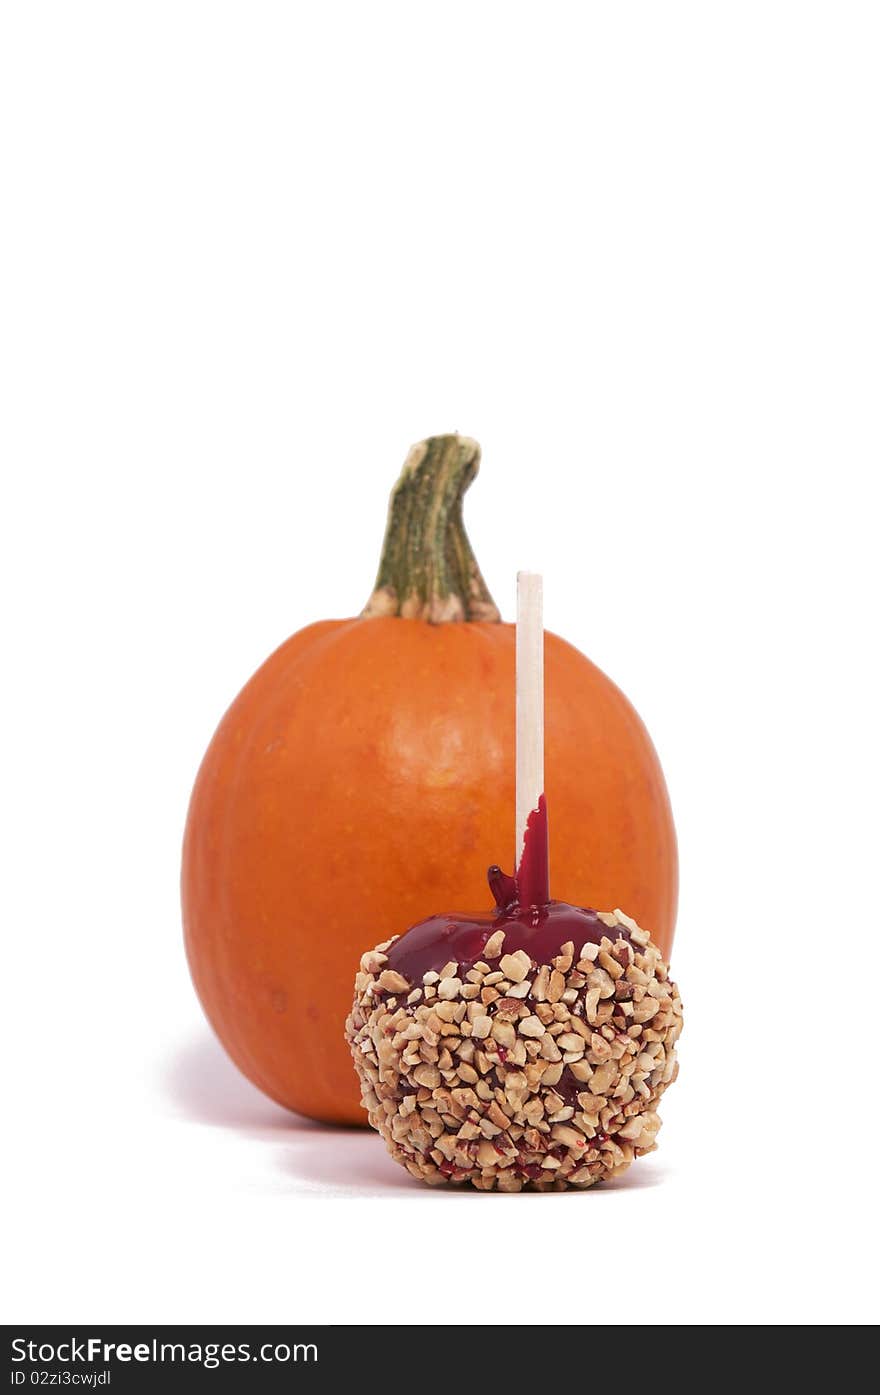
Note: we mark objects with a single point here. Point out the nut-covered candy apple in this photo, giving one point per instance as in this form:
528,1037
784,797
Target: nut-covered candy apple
527,1048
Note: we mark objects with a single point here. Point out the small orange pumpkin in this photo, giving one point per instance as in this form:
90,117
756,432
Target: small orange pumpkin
364,778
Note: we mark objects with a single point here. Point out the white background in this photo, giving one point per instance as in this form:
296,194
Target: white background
250,252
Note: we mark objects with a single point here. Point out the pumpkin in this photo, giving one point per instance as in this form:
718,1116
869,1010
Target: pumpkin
364,779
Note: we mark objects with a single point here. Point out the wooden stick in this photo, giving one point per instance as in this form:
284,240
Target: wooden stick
529,700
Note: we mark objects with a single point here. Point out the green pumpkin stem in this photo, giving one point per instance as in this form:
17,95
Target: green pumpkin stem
428,570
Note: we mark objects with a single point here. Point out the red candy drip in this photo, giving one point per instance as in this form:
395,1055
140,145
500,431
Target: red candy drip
529,919
533,872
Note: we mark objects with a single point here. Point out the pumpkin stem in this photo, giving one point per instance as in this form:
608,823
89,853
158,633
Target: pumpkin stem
428,570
